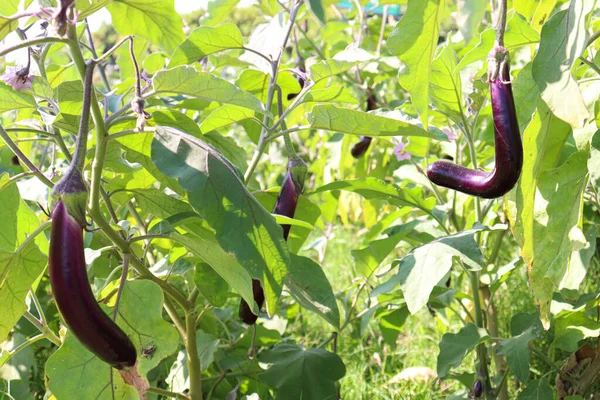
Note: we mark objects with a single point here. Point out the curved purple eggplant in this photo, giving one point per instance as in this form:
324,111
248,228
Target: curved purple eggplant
292,186
508,145
74,297
360,148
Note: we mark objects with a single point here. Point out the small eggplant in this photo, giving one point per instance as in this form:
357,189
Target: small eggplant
75,299
477,390
508,145
360,148
292,186
301,67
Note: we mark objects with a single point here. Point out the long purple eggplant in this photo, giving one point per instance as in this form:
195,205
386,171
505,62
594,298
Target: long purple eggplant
74,297
360,148
508,146
292,187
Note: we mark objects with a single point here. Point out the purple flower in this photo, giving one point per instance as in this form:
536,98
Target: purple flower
451,135
19,79
400,153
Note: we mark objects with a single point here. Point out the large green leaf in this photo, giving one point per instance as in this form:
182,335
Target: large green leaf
526,95
327,68
224,116
537,390
414,40
186,80
224,264
516,350
445,84
11,99
154,20
518,33
331,94
217,10
297,373
308,284
369,258
563,40
73,369
455,346
216,190
373,188
206,40
7,25
354,122
88,7
18,271
421,269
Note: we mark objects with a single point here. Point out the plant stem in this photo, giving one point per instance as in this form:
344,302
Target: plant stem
33,42
45,330
112,49
262,143
555,367
81,143
167,393
15,149
101,69
177,321
501,23
481,348
194,367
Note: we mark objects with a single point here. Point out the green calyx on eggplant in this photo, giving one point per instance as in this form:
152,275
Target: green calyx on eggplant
287,200
360,148
75,299
507,139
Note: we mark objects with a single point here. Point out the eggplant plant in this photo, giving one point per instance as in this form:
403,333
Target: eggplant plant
268,200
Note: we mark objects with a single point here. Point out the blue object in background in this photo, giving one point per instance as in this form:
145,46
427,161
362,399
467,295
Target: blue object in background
373,8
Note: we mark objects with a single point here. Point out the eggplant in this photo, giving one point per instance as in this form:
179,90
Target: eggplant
301,66
507,140
477,391
292,186
75,299
360,148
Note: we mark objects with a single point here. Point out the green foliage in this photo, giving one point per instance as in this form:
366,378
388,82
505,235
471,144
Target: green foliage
386,286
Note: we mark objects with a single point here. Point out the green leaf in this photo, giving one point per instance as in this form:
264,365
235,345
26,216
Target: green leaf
445,84
228,147
211,285
551,230
73,369
283,220
216,190
9,7
571,327
159,204
206,40
88,7
224,264
563,40
537,390
137,149
421,269
373,188
12,100
186,80
368,259
328,68
594,161
154,20
455,346
526,94
391,323
470,15
516,350
176,120
217,10
7,25
302,374
354,122
316,6
40,87
309,286
332,94
518,33
18,271
224,116
414,40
